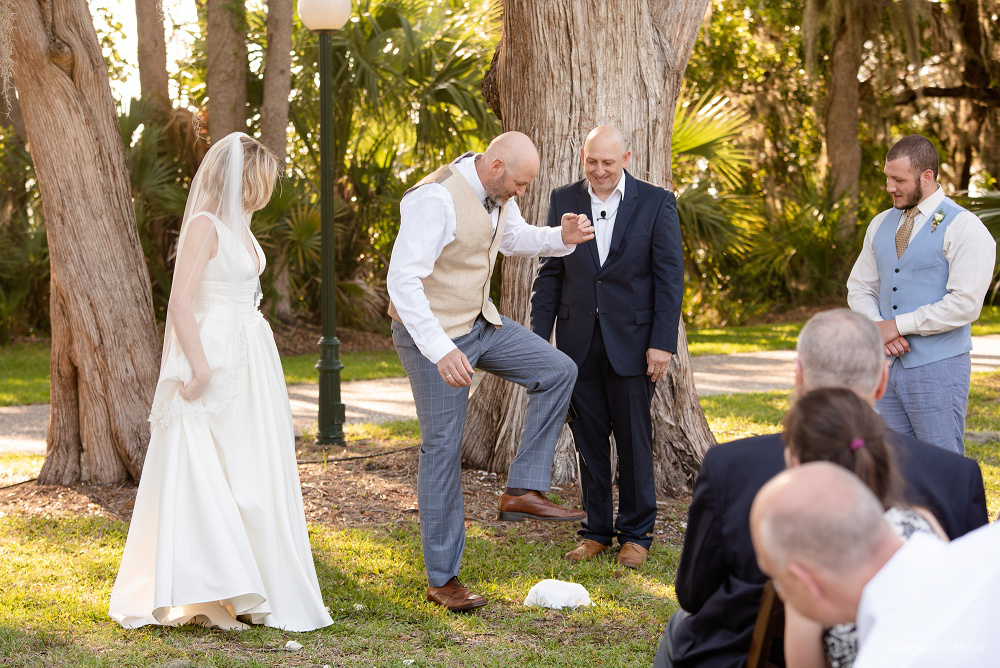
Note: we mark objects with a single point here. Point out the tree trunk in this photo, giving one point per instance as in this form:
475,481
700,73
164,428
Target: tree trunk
843,145
153,77
277,77
226,71
553,84
104,348
281,307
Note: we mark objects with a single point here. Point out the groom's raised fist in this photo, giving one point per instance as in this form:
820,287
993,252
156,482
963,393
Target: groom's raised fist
576,228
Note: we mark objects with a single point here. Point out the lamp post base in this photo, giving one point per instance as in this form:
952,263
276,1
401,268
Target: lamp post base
331,410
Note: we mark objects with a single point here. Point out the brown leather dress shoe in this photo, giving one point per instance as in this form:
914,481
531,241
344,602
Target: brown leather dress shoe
632,555
585,551
455,596
534,506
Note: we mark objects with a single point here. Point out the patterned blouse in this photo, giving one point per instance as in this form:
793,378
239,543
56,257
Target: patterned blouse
840,642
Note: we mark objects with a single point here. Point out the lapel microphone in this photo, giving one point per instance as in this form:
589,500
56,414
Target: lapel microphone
604,215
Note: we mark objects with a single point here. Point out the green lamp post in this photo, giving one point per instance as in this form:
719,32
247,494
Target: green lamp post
325,17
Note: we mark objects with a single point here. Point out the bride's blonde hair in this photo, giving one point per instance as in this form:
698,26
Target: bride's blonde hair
260,172
261,168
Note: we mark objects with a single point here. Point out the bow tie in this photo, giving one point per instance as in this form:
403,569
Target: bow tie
489,204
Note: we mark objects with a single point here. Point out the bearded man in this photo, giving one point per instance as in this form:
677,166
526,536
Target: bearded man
922,276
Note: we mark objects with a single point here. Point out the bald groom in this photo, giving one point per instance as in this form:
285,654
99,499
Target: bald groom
452,225
615,304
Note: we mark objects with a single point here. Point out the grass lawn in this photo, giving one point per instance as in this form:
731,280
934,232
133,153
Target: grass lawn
24,374
988,323
24,370
24,367
56,576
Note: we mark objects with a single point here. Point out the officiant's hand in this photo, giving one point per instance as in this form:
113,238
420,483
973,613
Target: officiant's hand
196,385
576,229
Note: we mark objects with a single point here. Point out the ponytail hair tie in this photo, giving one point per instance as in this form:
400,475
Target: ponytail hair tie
857,444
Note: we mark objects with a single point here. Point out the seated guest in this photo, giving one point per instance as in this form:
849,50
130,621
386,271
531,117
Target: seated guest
820,534
837,426
718,583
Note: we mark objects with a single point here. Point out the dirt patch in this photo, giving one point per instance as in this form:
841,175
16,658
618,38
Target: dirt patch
301,338
365,492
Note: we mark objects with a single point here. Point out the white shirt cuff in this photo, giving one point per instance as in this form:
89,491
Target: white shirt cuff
906,324
438,348
556,241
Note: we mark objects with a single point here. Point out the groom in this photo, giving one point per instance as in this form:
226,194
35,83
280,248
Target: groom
452,225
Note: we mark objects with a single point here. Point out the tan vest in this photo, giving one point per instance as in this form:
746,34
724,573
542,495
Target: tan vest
458,288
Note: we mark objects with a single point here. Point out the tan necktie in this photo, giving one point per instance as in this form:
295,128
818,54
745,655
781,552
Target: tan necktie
903,233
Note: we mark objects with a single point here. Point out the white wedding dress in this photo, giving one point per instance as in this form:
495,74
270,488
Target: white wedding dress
218,528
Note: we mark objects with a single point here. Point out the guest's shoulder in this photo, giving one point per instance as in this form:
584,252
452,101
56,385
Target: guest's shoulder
756,449
930,456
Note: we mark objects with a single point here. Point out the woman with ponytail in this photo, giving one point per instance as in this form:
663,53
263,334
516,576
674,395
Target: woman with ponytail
838,426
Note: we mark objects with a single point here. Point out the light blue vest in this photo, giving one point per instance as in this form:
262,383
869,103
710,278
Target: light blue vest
917,279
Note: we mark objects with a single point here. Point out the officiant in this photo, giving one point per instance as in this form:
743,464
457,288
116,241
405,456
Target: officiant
615,304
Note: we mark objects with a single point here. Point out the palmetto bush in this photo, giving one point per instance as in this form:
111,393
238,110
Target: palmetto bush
24,254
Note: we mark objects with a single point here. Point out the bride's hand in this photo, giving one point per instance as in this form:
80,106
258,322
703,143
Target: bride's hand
196,385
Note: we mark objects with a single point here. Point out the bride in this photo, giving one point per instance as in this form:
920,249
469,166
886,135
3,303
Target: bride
218,530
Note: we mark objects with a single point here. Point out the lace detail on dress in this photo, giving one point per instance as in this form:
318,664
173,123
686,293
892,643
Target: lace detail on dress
164,411
841,642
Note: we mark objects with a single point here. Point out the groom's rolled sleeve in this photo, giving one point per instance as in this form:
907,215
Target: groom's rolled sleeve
522,239
427,225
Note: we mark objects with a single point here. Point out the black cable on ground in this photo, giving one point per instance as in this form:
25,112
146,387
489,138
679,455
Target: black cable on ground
345,459
299,461
18,483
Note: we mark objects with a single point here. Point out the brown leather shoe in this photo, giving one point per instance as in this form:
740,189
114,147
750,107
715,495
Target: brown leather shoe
455,596
535,506
632,555
585,551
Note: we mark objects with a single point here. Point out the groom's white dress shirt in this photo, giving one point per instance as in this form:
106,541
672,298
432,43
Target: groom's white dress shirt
427,225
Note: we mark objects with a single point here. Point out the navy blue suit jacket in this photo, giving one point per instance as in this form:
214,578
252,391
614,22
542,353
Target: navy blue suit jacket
638,290
718,580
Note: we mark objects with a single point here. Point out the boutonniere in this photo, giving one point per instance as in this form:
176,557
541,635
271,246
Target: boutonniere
936,219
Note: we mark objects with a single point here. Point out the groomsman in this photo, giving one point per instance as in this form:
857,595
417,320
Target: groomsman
615,305
922,276
452,225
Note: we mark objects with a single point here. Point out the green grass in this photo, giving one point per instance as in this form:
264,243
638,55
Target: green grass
56,578
988,323
367,365
17,467
24,370
745,339
734,416
24,374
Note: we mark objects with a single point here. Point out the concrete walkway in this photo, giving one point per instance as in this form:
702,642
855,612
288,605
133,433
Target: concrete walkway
22,428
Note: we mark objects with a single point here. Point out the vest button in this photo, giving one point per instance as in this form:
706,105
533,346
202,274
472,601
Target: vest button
894,308
599,282
894,289
897,271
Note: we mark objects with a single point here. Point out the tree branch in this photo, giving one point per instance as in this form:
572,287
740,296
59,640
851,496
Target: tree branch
988,95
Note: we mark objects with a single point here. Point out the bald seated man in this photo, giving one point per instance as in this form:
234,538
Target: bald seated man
444,326
819,534
615,305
